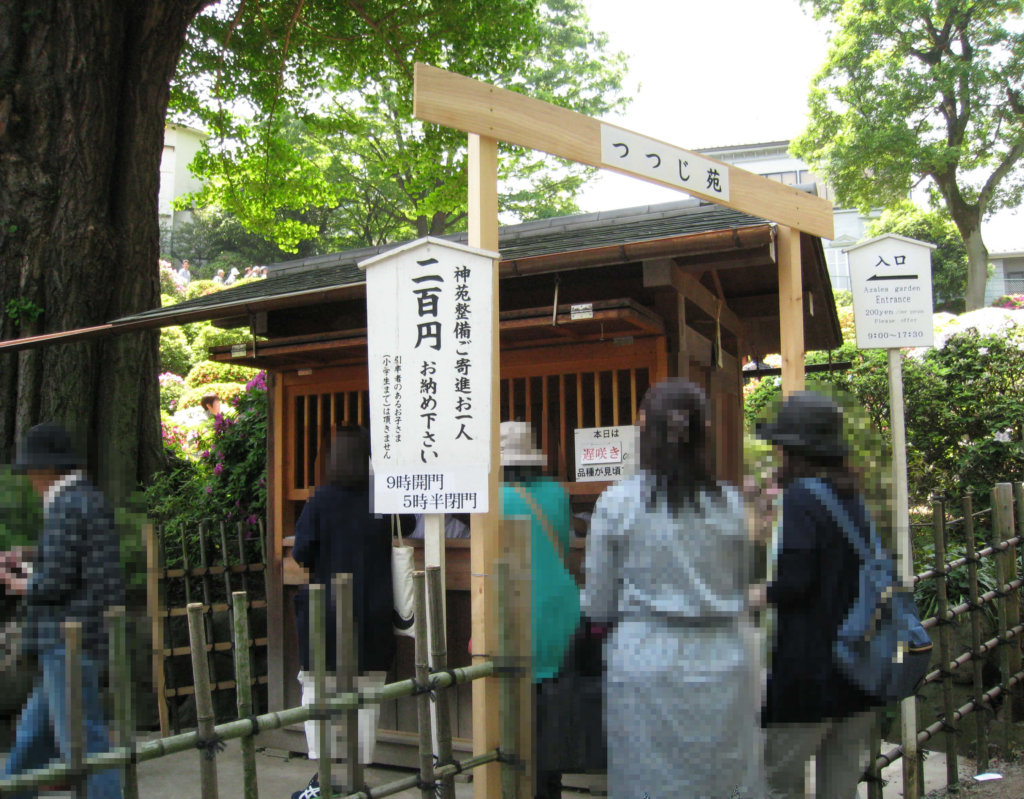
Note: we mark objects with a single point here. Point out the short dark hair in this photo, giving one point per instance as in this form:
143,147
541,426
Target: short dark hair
348,457
207,401
837,470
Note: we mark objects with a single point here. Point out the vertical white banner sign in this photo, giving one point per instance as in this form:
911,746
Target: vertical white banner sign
429,347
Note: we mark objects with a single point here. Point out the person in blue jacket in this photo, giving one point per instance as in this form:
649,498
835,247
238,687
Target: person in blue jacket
337,533
76,576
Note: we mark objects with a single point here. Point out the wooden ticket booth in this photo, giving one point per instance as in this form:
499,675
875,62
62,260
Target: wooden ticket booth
593,310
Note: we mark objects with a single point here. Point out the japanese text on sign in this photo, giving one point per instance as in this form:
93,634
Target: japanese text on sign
631,152
429,337
605,453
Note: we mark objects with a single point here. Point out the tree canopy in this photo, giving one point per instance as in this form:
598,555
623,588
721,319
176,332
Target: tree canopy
949,258
922,90
309,103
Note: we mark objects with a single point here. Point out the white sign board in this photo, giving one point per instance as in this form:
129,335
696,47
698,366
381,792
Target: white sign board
651,158
606,453
891,281
428,308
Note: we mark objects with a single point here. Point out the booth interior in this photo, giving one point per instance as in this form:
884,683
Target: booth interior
593,309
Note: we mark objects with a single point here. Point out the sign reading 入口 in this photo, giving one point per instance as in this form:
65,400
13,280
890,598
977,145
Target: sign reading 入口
891,282
428,307
605,453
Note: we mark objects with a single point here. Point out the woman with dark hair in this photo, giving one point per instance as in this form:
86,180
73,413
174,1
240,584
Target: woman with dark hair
337,533
811,707
667,562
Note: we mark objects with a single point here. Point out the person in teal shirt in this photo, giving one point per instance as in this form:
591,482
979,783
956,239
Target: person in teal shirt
555,597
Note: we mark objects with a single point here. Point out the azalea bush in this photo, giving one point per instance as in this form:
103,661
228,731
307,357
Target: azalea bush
1012,301
171,387
216,372
175,353
218,475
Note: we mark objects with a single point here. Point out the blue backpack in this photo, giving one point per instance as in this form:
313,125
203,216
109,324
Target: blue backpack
881,646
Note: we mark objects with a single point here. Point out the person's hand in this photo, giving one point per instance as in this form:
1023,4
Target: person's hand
15,569
757,596
760,501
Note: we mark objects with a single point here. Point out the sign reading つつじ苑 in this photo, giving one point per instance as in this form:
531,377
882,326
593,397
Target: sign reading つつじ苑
428,307
891,283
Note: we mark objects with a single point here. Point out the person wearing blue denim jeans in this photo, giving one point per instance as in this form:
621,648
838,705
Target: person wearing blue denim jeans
76,576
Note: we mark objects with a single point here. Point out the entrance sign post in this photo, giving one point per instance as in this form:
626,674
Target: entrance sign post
891,282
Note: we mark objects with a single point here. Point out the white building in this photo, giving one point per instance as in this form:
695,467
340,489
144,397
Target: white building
772,160
1006,275
181,143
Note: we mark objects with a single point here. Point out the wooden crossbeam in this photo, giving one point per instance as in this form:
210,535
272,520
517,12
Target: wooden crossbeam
473,106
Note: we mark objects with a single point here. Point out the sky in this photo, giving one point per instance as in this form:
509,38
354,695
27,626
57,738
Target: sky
711,73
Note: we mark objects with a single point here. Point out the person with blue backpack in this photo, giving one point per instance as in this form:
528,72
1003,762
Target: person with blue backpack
846,636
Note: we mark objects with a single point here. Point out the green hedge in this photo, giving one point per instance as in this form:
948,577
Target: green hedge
175,354
191,397
211,336
206,372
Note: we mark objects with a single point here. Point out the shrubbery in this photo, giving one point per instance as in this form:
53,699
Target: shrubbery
171,388
1012,301
175,354
190,397
210,336
200,288
216,372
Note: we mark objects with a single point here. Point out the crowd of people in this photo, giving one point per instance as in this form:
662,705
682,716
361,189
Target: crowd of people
183,274
697,702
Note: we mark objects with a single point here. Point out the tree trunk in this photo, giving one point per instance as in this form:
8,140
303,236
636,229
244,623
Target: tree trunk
977,266
83,97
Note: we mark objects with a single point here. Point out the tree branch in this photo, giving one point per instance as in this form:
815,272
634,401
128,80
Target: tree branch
1000,172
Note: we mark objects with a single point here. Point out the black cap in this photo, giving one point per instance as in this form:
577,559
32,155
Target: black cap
46,446
807,424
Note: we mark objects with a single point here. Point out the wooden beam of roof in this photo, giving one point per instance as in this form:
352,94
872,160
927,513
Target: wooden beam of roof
455,101
664,272
697,264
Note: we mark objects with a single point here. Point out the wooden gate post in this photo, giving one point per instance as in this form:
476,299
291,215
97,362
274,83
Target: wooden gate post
204,702
1008,606
791,310
939,525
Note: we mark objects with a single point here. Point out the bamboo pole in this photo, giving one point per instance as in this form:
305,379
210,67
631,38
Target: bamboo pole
225,557
154,608
939,525
426,783
121,678
317,638
403,784
1002,529
347,659
243,689
439,661
507,687
1016,513
73,704
875,749
152,750
204,702
981,727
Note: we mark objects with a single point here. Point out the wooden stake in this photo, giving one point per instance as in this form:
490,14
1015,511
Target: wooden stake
318,653
939,527
347,659
121,679
439,662
981,725
204,701
243,689
422,678
1002,524
485,535
154,609
73,700
507,685
791,310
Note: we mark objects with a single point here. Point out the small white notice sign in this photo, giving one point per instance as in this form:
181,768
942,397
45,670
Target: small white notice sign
584,310
606,453
891,282
650,158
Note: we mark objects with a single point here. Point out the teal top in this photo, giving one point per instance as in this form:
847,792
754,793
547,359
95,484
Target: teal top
555,598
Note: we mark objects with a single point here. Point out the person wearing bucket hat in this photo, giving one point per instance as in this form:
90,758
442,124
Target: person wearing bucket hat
554,596
811,708
76,576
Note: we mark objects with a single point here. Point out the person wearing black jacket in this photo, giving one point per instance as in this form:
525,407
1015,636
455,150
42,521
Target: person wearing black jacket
811,707
337,533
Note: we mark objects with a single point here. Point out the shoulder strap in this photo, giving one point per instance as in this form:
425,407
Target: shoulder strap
827,497
544,523
396,530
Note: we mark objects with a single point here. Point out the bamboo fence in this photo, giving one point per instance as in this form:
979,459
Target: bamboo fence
210,738
1005,531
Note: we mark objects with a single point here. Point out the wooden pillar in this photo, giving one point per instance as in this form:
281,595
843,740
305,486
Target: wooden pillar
791,310
484,527
275,534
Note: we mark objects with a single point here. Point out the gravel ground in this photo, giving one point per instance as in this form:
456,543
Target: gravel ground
1011,786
